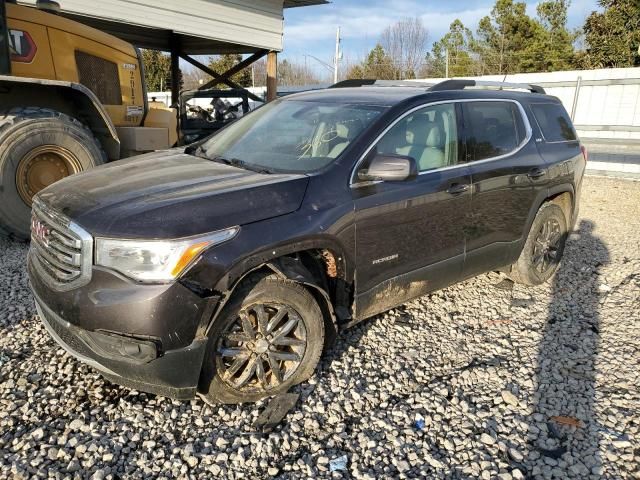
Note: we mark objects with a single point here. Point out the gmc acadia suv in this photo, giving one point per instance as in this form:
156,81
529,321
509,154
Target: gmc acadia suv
226,267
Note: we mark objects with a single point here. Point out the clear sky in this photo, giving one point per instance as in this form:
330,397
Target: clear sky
312,30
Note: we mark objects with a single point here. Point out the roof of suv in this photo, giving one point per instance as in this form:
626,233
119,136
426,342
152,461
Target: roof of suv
368,95
391,95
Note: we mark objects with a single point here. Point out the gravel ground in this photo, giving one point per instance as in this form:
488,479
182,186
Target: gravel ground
476,381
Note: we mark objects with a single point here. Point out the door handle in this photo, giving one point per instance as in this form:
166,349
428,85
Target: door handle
458,188
536,173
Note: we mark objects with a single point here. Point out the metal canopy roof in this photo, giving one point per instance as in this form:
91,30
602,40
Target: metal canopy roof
303,3
197,26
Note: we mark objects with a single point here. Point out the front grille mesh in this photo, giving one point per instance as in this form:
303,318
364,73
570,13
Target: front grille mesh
69,339
61,250
100,76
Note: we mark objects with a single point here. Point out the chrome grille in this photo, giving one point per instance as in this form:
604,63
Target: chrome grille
61,250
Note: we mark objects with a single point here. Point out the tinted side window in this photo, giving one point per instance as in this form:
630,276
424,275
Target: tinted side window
554,122
493,129
429,135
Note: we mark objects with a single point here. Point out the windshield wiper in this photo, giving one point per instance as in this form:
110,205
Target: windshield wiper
196,151
236,162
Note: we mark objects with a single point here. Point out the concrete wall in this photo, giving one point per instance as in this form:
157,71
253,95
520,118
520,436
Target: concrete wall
608,101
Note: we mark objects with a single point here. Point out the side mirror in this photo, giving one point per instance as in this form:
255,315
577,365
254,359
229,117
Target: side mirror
389,168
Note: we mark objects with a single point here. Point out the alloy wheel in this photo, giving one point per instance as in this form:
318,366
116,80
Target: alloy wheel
546,245
262,347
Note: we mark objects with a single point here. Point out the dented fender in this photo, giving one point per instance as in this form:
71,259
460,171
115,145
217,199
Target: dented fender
286,268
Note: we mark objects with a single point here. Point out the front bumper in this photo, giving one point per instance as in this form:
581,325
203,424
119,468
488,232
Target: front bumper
146,337
174,374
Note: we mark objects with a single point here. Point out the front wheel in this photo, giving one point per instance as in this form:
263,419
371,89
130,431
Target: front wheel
268,338
38,147
543,248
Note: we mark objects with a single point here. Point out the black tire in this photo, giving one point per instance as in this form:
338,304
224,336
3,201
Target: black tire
539,260
220,385
24,131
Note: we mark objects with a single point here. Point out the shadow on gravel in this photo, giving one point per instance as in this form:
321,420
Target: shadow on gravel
563,425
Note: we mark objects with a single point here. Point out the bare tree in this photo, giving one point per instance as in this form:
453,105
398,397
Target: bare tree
194,78
290,73
405,43
294,73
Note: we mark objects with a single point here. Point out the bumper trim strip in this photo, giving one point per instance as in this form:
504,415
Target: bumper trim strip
84,359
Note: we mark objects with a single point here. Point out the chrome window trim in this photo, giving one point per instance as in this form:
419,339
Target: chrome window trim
353,183
61,222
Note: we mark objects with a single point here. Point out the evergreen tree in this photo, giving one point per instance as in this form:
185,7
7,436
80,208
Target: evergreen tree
506,38
222,63
510,41
377,65
613,36
553,45
458,42
157,70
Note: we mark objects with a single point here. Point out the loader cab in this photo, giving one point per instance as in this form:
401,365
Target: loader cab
203,112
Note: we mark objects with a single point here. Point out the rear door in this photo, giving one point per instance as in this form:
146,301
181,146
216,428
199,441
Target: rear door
410,234
506,173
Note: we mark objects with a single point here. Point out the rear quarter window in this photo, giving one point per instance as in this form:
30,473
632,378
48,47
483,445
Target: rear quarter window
554,122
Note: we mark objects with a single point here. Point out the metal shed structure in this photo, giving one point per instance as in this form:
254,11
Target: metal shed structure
192,27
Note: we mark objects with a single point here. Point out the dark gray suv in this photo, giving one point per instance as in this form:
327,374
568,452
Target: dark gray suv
226,267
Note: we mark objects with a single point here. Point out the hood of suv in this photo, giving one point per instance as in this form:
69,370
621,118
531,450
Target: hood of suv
171,194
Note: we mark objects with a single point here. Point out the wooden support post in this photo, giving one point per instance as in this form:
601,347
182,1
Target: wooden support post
272,76
175,69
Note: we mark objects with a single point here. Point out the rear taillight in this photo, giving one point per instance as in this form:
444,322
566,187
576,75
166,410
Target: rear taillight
585,154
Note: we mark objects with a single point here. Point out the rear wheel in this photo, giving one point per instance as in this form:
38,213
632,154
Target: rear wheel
38,147
544,247
268,338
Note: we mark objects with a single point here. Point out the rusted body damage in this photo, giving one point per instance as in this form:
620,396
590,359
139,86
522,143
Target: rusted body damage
330,262
320,271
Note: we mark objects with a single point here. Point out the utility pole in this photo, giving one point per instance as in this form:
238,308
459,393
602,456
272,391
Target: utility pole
446,63
336,58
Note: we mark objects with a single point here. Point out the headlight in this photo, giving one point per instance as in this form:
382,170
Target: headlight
156,260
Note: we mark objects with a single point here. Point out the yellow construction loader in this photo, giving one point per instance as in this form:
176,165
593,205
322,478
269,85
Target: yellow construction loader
71,97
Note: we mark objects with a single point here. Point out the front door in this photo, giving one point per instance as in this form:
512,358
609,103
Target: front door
410,234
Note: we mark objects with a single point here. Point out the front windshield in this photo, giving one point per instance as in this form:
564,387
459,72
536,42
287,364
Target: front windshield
290,135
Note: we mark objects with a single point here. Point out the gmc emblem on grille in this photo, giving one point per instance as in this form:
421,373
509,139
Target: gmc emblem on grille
40,231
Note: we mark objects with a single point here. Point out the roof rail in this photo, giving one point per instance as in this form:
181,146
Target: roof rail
357,82
353,82
459,84
403,83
